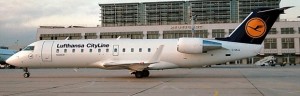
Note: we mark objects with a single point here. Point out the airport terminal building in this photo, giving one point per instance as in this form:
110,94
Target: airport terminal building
171,20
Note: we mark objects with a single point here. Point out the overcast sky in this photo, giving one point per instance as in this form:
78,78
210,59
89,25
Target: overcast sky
19,19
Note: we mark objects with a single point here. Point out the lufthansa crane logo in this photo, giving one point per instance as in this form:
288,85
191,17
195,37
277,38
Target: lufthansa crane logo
256,27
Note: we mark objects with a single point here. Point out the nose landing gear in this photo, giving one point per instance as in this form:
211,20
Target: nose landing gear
26,74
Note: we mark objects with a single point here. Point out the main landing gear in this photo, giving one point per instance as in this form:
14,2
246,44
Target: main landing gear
26,74
141,74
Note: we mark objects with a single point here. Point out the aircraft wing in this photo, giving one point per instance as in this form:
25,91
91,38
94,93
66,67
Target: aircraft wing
129,65
135,65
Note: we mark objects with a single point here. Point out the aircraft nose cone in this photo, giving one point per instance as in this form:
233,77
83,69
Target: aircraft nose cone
11,60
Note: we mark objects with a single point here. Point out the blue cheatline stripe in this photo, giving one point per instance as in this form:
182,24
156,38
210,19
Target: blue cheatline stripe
205,42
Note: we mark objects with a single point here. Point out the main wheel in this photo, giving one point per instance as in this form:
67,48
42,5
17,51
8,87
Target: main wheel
138,74
26,75
146,73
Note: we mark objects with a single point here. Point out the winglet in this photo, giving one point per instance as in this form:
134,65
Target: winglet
156,57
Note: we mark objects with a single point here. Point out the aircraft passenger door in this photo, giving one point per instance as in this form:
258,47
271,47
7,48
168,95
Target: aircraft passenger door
47,51
115,50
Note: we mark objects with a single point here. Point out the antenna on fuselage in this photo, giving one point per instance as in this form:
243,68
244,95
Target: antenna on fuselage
118,37
67,38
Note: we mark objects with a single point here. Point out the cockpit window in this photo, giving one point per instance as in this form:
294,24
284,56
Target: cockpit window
29,48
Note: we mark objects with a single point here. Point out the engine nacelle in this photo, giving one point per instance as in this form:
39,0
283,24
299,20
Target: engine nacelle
190,45
196,45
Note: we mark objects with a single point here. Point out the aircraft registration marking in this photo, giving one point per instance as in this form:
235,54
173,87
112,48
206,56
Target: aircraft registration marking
235,50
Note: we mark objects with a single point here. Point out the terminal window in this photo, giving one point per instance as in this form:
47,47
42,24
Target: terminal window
218,33
287,43
270,43
152,35
287,30
273,31
131,35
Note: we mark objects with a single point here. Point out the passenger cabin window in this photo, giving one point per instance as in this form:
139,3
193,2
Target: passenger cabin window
149,49
73,50
107,50
65,50
99,50
29,48
132,50
57,50
91,50
82,50
140,49
124,50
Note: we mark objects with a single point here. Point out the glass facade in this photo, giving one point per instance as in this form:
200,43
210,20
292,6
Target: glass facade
130,35
125,14
184,33
164,13
179,12
246,6
60,36
211,11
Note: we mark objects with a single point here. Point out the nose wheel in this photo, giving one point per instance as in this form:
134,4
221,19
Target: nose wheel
26,74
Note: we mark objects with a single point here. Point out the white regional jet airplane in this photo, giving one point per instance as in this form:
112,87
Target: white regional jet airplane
142,55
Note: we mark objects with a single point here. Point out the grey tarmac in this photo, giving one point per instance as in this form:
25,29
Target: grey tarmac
221,80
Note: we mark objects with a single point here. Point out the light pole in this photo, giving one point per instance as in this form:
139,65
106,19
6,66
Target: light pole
17,44
193,25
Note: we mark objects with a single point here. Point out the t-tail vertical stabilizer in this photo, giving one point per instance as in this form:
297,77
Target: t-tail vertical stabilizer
256,26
